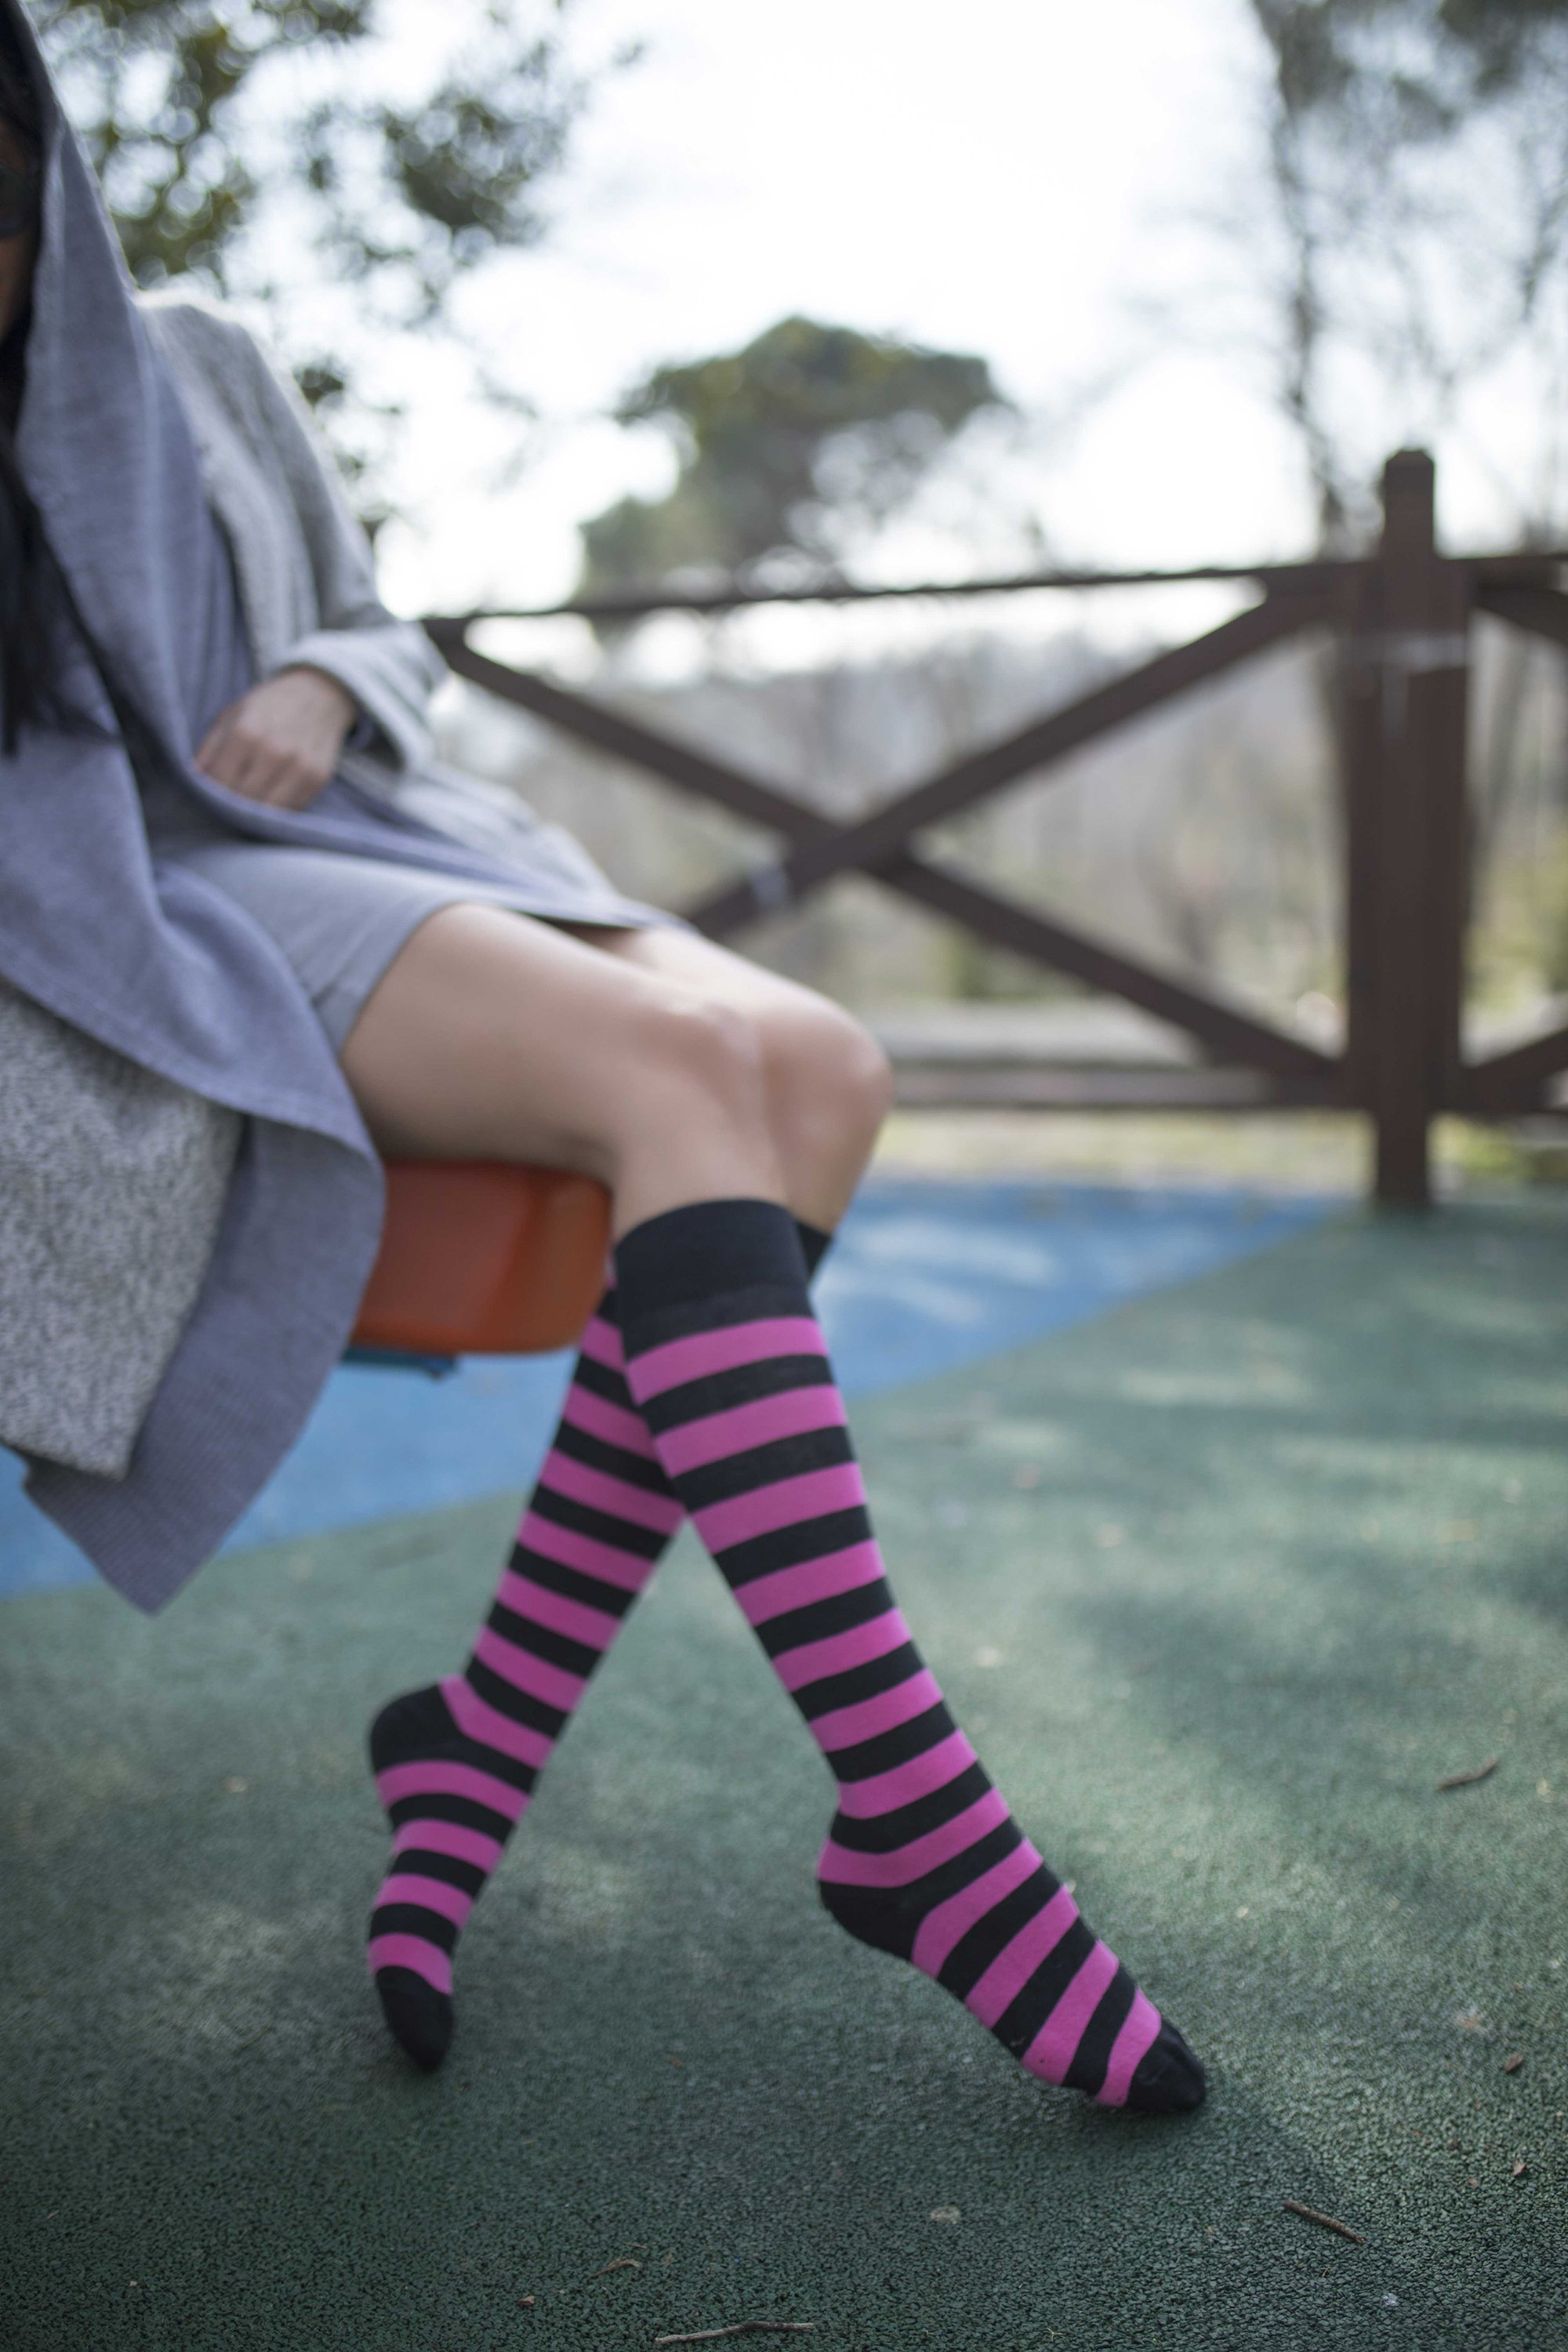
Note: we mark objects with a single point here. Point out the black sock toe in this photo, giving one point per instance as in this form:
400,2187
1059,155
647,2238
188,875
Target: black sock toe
419,2019
1169,2080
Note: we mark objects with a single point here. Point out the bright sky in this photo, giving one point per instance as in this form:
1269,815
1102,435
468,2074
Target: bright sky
1007,177
1019,178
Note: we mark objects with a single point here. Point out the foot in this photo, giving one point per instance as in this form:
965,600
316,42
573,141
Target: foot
451,1802
965,1898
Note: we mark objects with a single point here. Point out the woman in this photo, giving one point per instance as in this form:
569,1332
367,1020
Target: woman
221,863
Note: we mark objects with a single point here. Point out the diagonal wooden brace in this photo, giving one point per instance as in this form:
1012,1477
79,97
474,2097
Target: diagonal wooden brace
1225,1031
1514,1081
1541,611
867,844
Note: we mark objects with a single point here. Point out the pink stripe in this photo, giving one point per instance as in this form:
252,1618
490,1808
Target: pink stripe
766,1419
479,1720
520,1667
603,1493
445,1837
679,1361
1010,1972
601,1342
615,1423
864,1799
595,1627
411,1952
782,1505
1134,2043
950,1921
845,1726
1054,2047
629,1571
436,1778
766,1597
430,1894
813,1661
844,1866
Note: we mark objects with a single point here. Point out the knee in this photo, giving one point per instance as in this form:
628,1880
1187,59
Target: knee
829,1076
691,1047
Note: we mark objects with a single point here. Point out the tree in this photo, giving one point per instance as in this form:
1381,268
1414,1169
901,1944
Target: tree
789,448
260,146
1413,241
1402,237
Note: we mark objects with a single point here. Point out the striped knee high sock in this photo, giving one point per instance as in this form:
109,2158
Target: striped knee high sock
922,1858
455,1763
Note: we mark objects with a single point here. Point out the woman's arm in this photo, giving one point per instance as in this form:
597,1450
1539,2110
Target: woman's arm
306,572
388,666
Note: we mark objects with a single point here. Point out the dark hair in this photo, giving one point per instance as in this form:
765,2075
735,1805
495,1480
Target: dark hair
38,614
29,582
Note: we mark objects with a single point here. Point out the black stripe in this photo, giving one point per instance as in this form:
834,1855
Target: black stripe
476,1754
830,1692
839,1614
413,1920
450,1868
598,1454
608,1310
974,1953
744,1385
684,1319
764,1465
1022,2019
891,1918
886,1749
570,1583
961,1869
887,1832
463,1812
741,1563
621,1535
1092,2056
603,1381
542,1641
517,1706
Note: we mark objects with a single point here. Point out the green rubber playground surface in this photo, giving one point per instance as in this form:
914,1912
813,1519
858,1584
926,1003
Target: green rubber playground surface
1221,1584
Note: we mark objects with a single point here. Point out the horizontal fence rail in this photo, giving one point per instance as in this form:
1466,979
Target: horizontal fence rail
1400,620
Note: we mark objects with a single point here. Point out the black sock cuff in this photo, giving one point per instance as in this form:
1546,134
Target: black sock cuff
706,1251
814,1243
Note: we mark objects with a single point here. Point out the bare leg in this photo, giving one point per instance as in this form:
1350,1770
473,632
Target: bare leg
667,1067
827,1083
493,1037
677,1075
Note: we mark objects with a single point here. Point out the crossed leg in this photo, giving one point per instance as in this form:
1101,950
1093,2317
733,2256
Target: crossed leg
674,1073
654,1060
713,1104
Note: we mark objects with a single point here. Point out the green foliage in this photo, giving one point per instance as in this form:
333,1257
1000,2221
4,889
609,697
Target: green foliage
786,447
263,149
163,92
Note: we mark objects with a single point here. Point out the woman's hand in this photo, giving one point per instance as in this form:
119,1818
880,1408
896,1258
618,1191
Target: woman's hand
280,743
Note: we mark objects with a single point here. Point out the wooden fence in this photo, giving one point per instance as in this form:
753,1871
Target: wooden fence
1402,619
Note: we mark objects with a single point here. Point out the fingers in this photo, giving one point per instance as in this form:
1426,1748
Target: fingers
258,768
210,749
252,749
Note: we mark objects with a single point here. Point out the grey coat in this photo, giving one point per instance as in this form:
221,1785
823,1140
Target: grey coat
131,419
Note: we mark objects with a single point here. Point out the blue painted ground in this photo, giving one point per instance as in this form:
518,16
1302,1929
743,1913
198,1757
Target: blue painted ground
928,1275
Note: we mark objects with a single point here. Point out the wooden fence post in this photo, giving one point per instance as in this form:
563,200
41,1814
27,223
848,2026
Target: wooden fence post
1405,680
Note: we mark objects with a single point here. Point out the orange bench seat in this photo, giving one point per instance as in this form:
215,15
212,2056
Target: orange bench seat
481,1259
